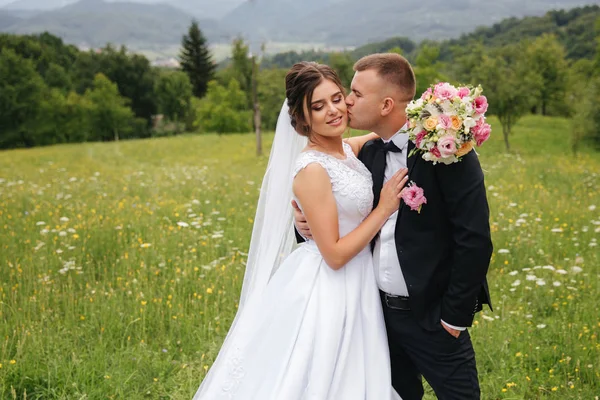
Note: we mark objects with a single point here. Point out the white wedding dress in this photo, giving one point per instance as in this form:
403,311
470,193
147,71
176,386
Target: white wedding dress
314,332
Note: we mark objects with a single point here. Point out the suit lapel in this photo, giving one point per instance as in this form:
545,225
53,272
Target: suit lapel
410,161
410,164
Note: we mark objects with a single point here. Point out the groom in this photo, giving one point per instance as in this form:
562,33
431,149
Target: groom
430,265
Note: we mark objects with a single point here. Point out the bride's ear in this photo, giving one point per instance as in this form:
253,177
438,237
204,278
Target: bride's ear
387,106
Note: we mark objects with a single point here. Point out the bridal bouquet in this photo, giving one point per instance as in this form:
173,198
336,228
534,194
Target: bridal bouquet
446,121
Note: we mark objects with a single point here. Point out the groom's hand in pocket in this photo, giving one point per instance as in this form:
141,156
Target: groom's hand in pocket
452,331
300,221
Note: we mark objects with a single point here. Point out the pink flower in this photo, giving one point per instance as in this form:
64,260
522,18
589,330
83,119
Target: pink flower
444,121
436,152
445,91
481,131
446,146
419,138
480,104
426,94
463,92
414,197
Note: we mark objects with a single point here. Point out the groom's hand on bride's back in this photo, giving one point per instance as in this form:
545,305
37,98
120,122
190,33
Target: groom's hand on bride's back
300,221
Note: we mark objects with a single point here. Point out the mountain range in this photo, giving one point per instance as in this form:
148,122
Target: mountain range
150,23
93,23
356,22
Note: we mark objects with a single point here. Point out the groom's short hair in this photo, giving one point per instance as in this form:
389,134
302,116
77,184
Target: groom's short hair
394,69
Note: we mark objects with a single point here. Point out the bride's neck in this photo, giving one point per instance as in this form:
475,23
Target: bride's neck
330,145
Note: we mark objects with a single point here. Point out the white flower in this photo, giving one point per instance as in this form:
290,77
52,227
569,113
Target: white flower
513,273
503,251
487,318
541,326
183,224
64,219
40,223
556,283
561,271
540,282
592,207
576,269
556,230
516,283
531,278
548,267
62,234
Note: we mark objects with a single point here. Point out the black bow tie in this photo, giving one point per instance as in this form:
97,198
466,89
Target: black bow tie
390,146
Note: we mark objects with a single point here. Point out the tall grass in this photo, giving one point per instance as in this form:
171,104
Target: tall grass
121,265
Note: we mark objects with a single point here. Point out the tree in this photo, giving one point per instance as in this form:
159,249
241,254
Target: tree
586,121
132,73
111,117
256,114
57,77
244,69
241,67
343,65
509,84
64,119
22,90
271,93
427,68
196,60
174,95
547,58
224,109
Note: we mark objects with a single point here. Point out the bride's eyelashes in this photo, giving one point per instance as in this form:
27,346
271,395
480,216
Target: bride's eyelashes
337,100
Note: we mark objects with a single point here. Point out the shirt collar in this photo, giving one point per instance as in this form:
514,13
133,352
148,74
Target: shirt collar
400,138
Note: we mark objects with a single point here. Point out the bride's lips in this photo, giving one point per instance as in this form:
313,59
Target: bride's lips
336,122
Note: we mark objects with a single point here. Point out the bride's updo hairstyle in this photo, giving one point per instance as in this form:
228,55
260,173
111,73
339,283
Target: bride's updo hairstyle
300,83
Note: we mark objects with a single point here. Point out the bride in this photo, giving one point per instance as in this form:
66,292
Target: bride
310,324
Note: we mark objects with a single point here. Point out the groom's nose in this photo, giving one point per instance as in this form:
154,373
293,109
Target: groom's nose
350,100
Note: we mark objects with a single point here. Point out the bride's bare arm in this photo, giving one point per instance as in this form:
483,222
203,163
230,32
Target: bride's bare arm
312,187
358,142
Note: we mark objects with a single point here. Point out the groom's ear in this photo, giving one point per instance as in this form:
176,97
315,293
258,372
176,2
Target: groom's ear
387,106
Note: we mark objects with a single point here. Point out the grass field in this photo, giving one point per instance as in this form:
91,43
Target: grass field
121,265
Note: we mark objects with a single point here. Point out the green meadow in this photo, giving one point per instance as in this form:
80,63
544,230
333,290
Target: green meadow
121,264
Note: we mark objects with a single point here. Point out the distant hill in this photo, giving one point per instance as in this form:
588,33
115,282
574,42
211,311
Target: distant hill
272,19
199,8
7,20
37,5
206,8
575,29
356,22
95,22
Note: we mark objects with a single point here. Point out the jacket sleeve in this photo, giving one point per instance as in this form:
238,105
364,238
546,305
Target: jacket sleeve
463,191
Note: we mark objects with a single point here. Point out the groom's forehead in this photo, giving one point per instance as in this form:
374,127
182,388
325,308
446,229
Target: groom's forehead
365,79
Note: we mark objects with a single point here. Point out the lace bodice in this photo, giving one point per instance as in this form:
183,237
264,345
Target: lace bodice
351,184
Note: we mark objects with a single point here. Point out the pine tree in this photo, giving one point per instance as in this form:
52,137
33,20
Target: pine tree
196,59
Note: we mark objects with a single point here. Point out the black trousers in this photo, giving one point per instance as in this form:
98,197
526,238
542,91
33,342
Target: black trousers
446,362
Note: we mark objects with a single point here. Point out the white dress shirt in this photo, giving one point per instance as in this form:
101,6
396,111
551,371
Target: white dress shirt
385,258
388,271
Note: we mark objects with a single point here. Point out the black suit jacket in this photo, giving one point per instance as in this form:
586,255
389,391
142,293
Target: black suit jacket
444,250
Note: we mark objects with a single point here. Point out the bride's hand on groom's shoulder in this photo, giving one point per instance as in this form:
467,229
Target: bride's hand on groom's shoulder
300,221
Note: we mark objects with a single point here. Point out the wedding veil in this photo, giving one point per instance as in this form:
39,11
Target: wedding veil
273,235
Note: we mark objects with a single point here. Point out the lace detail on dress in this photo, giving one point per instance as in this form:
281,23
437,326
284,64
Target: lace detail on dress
236,374
349,178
